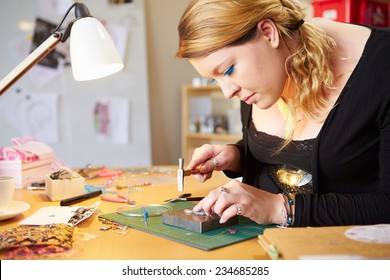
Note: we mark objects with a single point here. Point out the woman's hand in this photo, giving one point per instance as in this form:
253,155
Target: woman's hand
237,198
208,158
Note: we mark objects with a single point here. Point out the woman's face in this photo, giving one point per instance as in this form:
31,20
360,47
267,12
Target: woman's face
254,72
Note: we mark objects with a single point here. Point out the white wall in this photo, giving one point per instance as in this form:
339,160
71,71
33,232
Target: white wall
78,143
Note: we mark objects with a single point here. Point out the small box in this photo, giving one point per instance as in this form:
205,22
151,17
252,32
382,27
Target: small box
377,13
65,188
35,164
340,10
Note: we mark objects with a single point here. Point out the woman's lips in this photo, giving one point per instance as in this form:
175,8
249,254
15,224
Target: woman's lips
248,99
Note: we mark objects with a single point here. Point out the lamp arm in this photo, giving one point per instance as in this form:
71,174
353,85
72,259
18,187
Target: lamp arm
58,36
37,55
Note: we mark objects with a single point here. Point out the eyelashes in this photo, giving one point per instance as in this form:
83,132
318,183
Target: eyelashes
229,71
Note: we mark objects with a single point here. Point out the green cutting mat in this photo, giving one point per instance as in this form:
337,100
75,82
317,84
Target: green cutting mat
245,229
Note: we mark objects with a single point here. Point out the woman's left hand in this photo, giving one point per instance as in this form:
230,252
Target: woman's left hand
237,198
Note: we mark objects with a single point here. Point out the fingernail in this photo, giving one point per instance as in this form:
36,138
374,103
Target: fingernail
202,169
222,221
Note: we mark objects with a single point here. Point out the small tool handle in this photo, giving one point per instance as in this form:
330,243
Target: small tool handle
193,198
190,172
76,199
113,199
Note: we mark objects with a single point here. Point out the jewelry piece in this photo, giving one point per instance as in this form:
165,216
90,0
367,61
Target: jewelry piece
224,190
196,213
283,212
215,162
239,210
134,185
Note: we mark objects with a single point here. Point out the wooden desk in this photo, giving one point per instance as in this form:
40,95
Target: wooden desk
320,243
137,245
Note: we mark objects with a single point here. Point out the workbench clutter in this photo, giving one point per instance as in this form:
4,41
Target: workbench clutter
28,242
202,234
27,162
64,184
49,232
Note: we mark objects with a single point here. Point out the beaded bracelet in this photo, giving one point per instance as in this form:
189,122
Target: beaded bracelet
288,213
291,203
283,213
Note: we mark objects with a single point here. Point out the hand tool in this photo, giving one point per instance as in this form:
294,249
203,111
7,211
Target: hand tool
181,173
120,199
176,199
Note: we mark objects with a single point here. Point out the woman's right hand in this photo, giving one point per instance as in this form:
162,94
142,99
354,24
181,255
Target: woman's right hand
208,158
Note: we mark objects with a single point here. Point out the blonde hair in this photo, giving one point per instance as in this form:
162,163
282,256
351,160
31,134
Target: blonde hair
209,25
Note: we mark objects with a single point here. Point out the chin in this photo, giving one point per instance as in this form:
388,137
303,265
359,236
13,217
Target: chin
263,105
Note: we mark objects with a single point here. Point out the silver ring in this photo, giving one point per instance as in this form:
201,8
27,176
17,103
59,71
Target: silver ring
239,210
215,162
224,190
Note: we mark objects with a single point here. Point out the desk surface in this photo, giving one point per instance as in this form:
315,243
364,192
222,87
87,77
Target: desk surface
138,245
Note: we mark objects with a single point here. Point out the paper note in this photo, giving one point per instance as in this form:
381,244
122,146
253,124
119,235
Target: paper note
111,117
32,113
372,234
60,215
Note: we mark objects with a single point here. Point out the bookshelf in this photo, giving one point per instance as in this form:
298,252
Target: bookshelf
208,117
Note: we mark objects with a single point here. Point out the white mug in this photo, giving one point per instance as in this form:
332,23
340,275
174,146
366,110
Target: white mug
7,189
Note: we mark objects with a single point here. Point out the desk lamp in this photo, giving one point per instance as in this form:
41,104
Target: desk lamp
93,54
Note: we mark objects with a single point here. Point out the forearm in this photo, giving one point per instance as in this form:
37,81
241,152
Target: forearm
342,209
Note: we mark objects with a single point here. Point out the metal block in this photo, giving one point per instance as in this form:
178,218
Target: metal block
179,218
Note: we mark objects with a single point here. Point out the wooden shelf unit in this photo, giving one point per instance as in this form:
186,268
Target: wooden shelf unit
216,104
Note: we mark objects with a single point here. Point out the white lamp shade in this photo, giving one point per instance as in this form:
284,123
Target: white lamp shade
93,54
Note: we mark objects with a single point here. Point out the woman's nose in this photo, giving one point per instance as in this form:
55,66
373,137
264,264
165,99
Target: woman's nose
229,90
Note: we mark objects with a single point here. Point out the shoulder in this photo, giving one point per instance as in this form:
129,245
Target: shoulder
334,28
344,34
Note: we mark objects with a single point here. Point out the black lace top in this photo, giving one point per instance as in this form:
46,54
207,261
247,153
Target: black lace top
296,155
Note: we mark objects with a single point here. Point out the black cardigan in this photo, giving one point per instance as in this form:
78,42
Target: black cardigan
351,157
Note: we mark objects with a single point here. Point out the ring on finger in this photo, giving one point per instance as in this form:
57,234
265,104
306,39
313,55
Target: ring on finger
224,190
239,210
215,162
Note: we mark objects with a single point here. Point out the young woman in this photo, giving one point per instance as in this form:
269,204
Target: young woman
315,113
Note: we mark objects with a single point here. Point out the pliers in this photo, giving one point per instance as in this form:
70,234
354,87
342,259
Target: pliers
120,199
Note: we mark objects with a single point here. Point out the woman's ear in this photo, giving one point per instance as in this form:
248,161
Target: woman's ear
267,28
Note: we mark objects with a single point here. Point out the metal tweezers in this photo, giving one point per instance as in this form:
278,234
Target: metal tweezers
184,197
